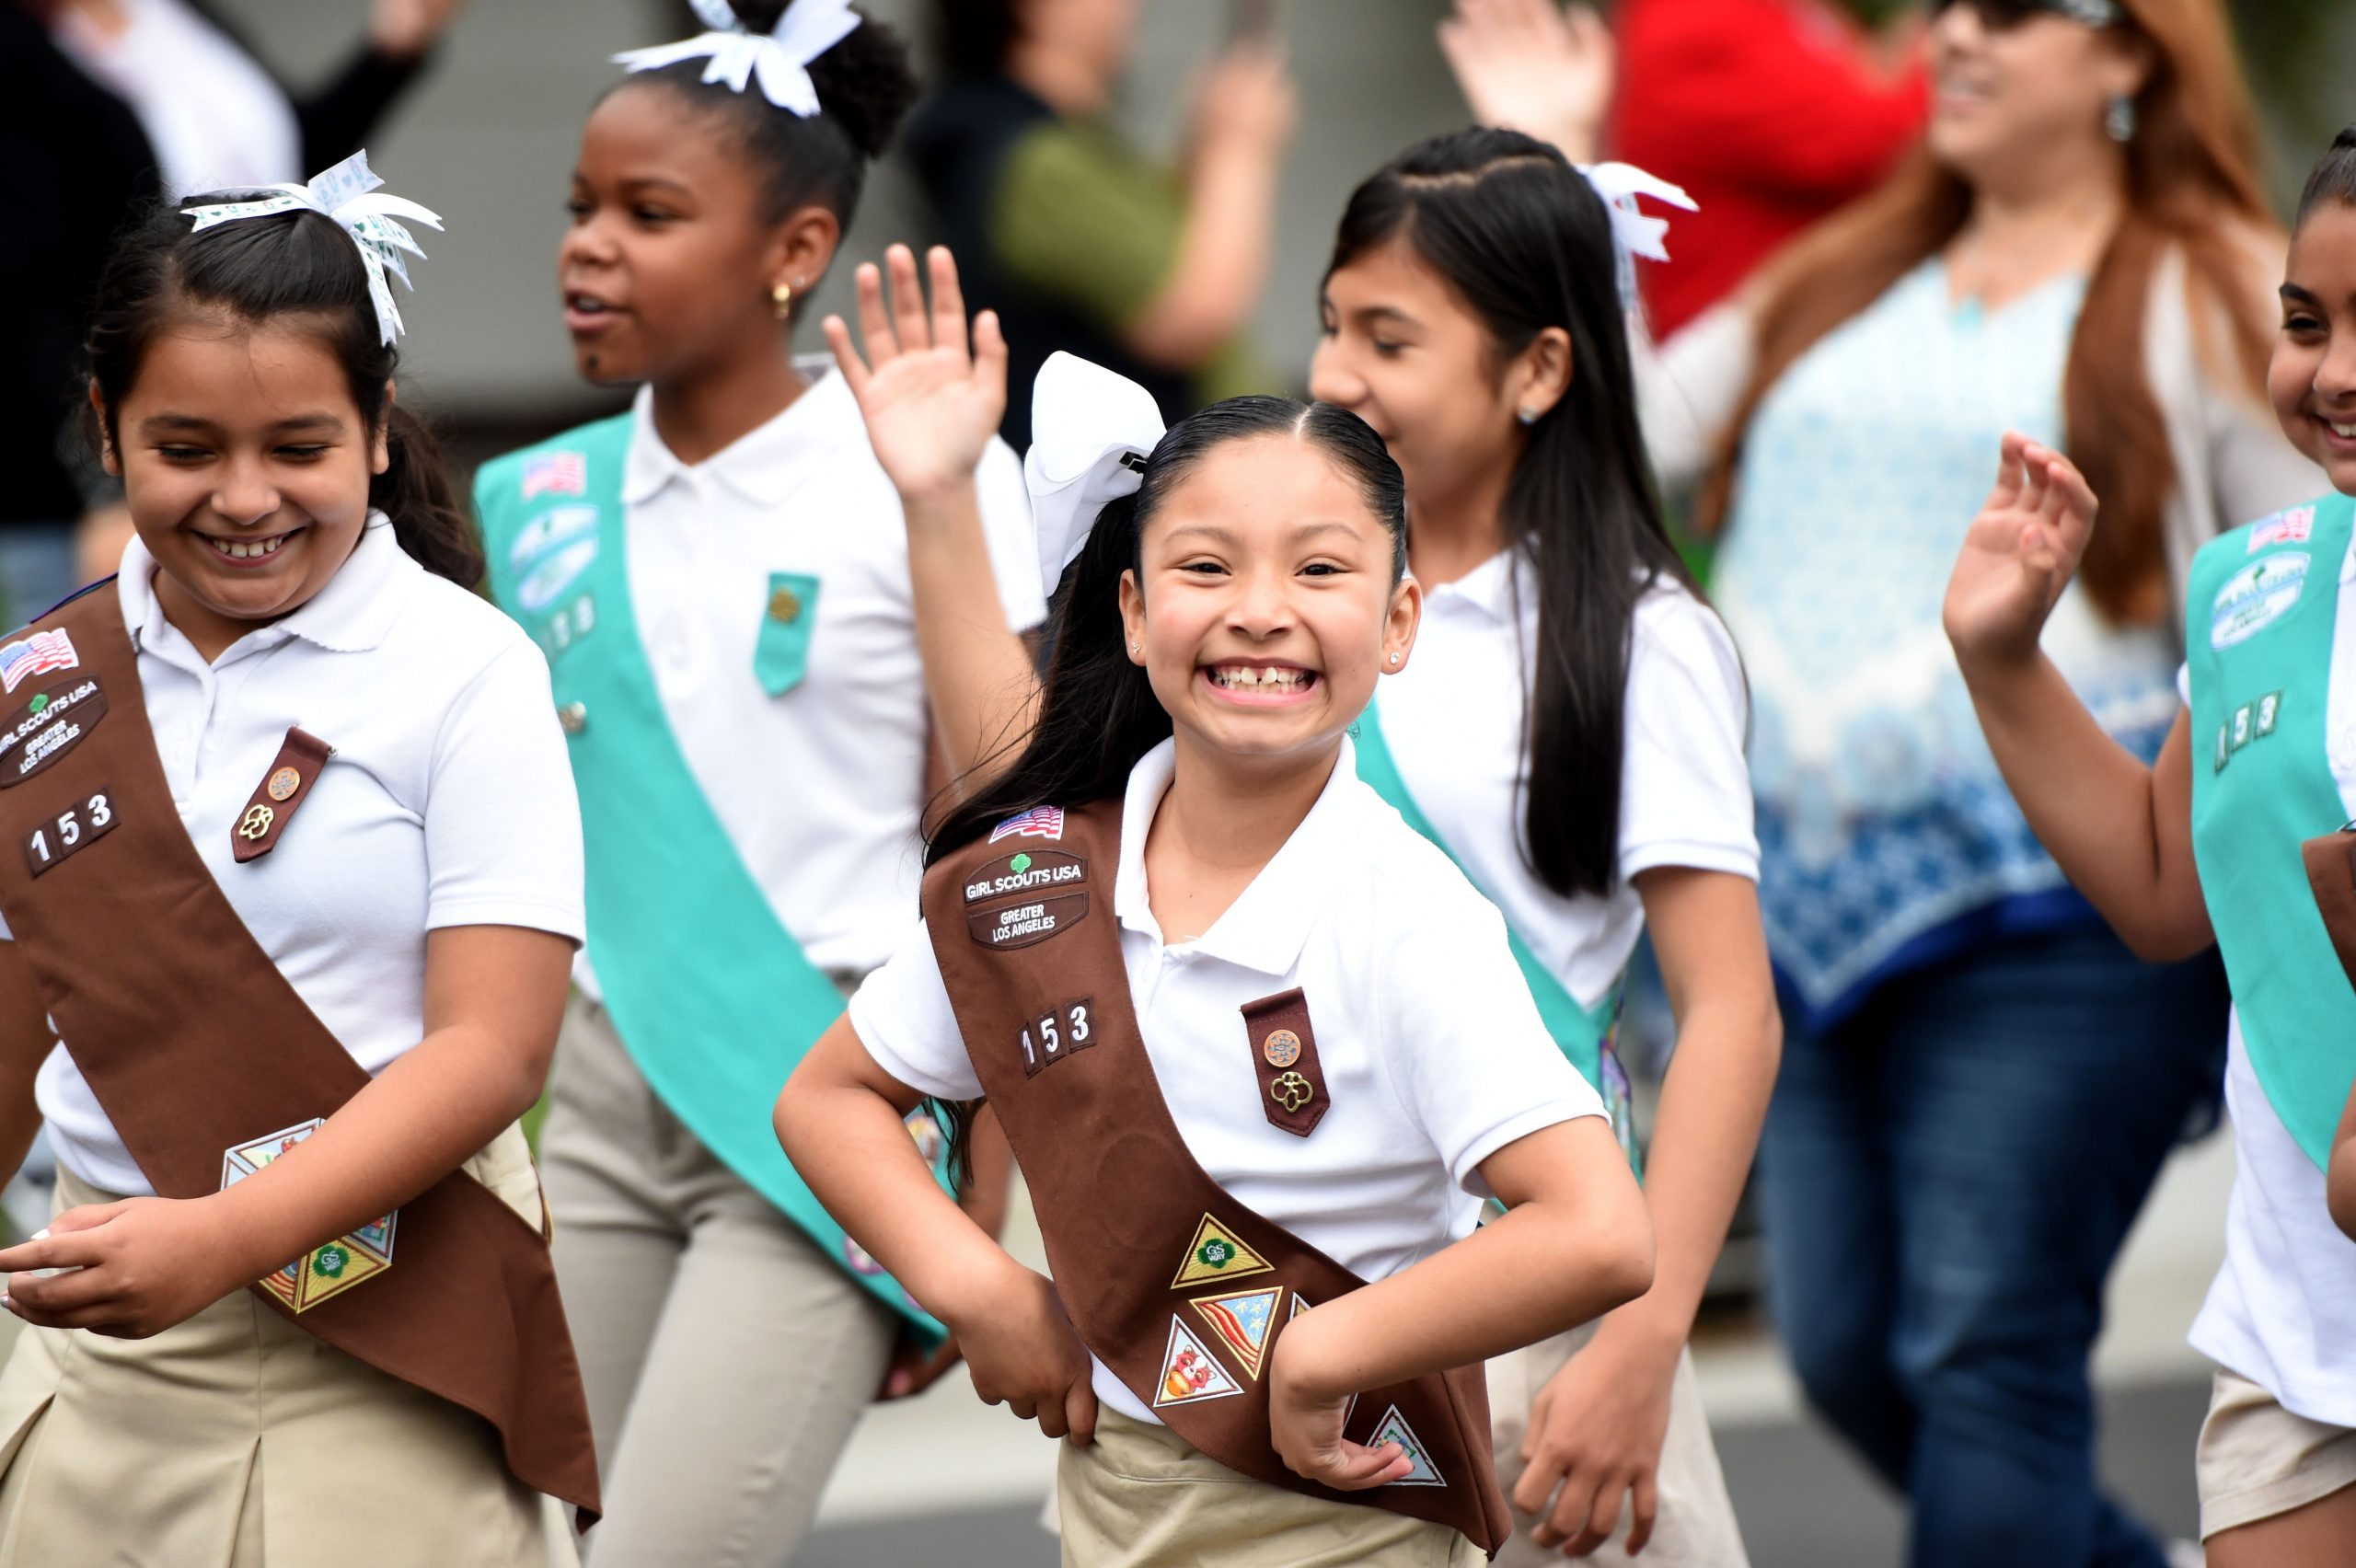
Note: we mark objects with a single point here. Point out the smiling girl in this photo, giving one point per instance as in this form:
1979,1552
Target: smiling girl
300,880
2216,844
1261,1050
766,660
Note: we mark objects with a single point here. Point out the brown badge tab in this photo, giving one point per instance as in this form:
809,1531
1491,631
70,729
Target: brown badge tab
1284,1053
283,789
48,725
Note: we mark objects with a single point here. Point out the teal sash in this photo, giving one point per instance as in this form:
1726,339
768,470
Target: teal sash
2261,612
713,997
1585,1034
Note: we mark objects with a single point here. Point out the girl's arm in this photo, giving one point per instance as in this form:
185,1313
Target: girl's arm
2120,831
1574,1243
494,996
932,406
1596,1431
2339,1178
840,1122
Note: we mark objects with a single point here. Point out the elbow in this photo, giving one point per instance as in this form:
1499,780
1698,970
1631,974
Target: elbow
2163,941
1624,1272
1180,334
790,1118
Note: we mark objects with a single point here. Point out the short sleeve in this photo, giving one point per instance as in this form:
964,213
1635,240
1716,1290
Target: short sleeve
502,825
903,1017
1085,222
1685,788
1013,543
1471,1056
2184,683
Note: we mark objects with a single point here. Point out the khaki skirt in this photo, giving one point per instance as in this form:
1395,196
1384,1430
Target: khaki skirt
237,1440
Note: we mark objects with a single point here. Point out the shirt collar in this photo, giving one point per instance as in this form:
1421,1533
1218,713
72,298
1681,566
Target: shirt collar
760,465
1265,929
1488,587
351,615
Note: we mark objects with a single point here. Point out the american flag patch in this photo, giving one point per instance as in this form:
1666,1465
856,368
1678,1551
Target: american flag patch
41,652
2292,527
556,473
1039,821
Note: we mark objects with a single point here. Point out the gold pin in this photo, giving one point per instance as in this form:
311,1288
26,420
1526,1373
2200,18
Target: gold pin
572,717
1292,1091
284,782
785,606
257,823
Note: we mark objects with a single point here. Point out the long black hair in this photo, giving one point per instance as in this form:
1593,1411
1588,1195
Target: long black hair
1097,711
2333,178
1525,242
299,268
865,87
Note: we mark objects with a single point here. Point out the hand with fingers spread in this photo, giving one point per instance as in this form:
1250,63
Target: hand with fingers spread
1307,1412
1246,102
931,399
132,1268
2021,552
1023,1352
1532,66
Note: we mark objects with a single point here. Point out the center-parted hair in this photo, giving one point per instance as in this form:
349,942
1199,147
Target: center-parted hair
1097,715
300,270
1524,241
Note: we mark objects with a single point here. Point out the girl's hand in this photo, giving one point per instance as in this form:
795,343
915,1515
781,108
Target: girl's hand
1528,66
1023,1355
1246,102
913,1369
2021,552
406,30
1305,1417
138,1267
1595,1437
931,405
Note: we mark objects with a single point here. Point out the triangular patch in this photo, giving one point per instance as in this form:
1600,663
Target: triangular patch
1298,1307
1393,1429
1244,1320
1191,1374
1215,1254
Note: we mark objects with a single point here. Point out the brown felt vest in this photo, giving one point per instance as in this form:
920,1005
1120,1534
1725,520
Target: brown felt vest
194,1044
1148,1253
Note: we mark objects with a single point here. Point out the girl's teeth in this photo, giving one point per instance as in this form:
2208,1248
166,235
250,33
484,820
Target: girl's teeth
2345,432
1260,680
238,549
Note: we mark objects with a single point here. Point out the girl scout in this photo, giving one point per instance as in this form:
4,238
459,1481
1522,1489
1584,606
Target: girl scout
765,662
2208,845
1571,733
299,883
1190,959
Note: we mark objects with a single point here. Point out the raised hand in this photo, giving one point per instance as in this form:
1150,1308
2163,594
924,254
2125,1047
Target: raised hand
406,30
2021,552
1529,65
930,401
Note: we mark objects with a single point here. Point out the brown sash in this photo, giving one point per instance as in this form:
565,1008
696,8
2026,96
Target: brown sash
195,1043
1177,1287
2331,872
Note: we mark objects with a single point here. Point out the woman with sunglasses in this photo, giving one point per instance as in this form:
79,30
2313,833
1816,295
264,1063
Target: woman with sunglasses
1980,1082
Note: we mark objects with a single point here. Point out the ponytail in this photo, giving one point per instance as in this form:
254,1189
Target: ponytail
416,493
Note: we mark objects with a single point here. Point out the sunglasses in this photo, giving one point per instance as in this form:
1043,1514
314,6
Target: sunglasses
2001,15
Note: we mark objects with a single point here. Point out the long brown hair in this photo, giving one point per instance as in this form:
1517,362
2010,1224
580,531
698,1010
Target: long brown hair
2192,184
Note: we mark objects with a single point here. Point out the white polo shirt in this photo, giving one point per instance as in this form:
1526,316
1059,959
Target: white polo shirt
2282,1309
821,785
1454,721
1432,1050
448,801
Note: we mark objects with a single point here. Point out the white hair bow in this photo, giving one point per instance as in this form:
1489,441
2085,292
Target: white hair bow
345,194
1635,234
1091,434
780,57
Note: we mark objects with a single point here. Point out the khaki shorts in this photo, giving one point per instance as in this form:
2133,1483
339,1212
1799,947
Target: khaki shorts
2258,1460
1142,1497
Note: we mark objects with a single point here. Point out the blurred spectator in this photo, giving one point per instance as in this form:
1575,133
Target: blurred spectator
1079,241
1770,113
103,102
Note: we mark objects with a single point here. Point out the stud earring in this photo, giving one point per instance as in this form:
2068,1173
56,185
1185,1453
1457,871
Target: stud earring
1394,658
782,297
1527,416
2120,121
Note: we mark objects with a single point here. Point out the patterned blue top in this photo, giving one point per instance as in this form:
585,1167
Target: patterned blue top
1887,835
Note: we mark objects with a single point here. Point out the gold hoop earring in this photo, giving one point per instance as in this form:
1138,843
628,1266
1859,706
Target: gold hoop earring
782,297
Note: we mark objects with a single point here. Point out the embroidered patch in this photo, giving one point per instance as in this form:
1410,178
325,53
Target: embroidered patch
2292,527
1190,1374
1215,1254
37,655
925,1130
327,1270
1039,821
1027,925
1245,1321
2256,597
545,532
556,473
69,832
1282,1047
1393,1429
546,582
857,1257
1028,871
1619,1096
50,724
1298,1307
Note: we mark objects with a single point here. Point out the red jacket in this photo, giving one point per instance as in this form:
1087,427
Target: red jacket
1770,113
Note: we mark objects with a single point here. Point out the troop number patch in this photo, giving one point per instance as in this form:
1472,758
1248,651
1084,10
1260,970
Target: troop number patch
71,831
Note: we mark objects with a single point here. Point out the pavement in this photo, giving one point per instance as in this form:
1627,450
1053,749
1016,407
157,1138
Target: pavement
944,1479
